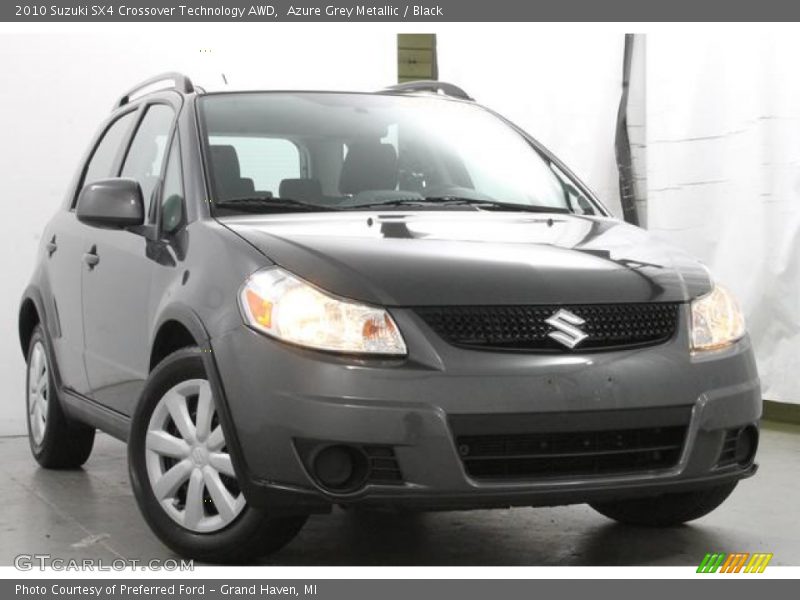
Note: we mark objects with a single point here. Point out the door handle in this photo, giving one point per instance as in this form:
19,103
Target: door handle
91,258
51,247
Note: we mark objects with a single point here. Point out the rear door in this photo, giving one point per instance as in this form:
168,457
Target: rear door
116,290
64,240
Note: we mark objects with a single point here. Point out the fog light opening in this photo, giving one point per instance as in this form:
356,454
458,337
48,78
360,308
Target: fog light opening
746,445
340,468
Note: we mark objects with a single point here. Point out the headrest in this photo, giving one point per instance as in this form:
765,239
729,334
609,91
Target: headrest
225,160
368,166
225,164
300,189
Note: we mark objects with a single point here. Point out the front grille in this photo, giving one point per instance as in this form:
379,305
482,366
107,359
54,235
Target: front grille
383,466
608,326
614,445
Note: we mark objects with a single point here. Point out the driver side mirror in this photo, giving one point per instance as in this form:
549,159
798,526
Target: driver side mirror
113,203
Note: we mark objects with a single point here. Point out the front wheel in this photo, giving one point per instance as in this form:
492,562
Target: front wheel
182,474
666,510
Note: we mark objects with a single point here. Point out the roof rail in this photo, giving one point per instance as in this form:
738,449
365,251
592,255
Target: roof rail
180,83
445,88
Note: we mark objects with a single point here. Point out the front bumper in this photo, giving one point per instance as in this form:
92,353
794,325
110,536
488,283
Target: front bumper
277,396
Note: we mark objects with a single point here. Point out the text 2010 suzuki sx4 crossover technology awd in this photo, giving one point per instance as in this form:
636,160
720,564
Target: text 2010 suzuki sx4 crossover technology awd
285,301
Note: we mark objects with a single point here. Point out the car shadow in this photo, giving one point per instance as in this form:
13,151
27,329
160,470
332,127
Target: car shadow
622,545
503,538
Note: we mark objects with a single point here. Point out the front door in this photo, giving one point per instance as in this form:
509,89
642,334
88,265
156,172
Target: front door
117,280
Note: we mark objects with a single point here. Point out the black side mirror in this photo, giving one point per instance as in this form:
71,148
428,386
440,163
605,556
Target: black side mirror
113,203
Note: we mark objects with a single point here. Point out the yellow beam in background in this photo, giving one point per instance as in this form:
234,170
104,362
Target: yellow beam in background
416,57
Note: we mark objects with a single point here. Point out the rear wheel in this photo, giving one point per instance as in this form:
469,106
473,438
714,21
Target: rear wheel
56,442
183,476
666,510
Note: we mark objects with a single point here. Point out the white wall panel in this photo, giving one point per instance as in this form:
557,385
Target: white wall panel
723,171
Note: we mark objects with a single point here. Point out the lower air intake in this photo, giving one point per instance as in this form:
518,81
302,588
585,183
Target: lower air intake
602,445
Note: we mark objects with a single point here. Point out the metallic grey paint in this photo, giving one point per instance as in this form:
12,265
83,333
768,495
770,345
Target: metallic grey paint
270,393
474,258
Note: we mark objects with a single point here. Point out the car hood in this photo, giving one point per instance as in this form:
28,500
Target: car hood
475,258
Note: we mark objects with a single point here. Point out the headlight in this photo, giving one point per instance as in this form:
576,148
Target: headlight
716,320
284,306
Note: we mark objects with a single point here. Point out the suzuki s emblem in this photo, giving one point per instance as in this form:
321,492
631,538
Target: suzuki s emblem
567,328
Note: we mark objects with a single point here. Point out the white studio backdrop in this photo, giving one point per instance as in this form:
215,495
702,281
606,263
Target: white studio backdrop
57,87
723,177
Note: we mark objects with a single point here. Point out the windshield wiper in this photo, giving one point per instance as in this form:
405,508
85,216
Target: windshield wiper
463,201
261,204
495,205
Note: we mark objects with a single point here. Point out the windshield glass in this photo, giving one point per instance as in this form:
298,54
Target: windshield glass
282,152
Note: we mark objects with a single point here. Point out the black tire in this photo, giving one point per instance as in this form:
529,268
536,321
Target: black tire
252,534
65,444
667,510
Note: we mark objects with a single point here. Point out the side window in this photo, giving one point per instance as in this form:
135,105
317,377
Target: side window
102,160
252,165
172,194
146,154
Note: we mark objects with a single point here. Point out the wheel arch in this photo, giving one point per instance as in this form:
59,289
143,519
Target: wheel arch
171,336
31,313
182,318
178,326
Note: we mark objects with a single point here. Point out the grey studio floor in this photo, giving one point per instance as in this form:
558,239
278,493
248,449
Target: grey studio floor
91,513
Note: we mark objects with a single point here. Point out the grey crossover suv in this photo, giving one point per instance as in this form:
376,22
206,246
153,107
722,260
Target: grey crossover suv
285,301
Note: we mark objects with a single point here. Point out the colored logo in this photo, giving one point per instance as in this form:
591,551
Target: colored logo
739,562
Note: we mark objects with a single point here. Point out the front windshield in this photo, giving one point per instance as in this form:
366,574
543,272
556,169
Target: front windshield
282,152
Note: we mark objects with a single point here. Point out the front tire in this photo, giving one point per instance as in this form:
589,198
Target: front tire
182,474
667,510
55,441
